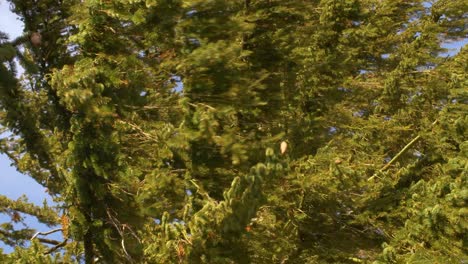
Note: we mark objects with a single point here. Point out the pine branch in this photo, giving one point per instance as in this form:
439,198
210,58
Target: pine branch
57,246
43,214
48,241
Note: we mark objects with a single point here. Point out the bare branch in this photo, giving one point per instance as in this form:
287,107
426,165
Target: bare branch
138,129
46,233
403,151
125,250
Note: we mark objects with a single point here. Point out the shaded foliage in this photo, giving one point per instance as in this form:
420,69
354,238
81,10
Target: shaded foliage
157,126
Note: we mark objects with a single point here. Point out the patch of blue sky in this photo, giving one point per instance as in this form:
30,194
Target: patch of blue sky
360,113
179,85
14,184
344,89
417,154
29,222
385,56
453,47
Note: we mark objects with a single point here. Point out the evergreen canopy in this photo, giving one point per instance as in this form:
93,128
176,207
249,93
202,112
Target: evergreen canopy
156,127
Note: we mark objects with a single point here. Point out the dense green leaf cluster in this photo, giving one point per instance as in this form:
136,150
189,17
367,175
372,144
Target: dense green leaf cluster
156,126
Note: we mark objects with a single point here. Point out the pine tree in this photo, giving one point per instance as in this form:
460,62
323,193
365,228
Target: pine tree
255,131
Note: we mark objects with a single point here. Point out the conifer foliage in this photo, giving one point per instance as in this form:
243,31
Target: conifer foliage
241,131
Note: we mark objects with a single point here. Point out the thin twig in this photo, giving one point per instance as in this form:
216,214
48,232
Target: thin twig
397,156
46,233
202,104
400,153
403,151
137,128
125,250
